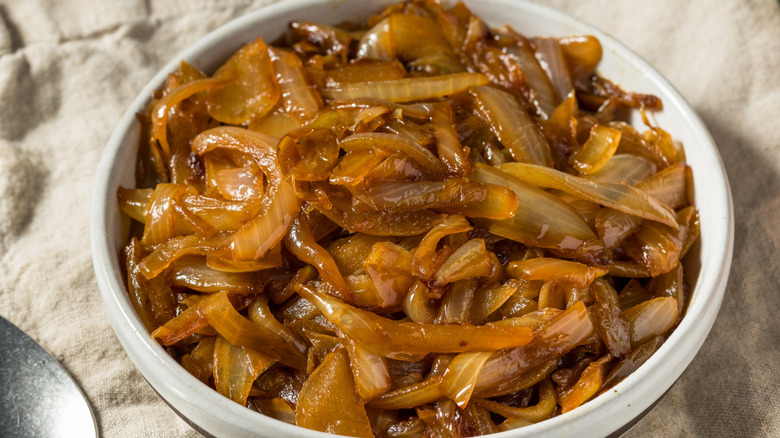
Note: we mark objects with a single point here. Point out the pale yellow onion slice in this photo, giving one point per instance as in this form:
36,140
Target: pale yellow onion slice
369,370
407,89
378,42
541,219
618,196
470,260
550,56
627,169
512,125
651,318
597,150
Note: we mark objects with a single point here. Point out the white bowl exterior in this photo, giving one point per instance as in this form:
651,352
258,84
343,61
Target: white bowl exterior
605,414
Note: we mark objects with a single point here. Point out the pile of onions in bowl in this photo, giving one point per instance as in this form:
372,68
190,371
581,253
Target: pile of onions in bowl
414,226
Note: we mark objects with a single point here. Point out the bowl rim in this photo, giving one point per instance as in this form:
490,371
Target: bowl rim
673,356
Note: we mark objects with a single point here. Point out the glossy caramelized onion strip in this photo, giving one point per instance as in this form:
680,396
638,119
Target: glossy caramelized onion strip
409,227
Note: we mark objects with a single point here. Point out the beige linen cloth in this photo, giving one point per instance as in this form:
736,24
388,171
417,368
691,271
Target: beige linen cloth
69,68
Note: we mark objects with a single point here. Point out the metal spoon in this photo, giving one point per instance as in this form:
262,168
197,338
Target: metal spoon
37,396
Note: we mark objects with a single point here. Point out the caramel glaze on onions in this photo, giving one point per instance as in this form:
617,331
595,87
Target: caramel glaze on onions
415,226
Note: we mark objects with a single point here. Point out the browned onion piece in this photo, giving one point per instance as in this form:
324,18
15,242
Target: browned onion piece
611,324
498,373
300,242
280,205
451,152
586,387
394,143
408,30
389,267
194,273
379,223
236,368
657,247
456,302
512,125
422,263
253,91
164,106
364,71
308,154
582,53
298,97
403,340
543,410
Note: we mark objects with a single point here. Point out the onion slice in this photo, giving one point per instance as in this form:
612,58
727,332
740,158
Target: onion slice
407,89
512,125
618,196
405,340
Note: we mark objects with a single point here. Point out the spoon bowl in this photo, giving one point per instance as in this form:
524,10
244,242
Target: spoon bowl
37,396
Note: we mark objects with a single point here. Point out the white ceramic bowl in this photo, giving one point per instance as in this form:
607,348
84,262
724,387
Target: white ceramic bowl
612,412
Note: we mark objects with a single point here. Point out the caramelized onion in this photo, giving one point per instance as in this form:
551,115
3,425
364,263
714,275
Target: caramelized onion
407,89
410,226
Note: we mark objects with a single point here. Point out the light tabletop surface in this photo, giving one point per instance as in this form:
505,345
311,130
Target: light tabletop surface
69,68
